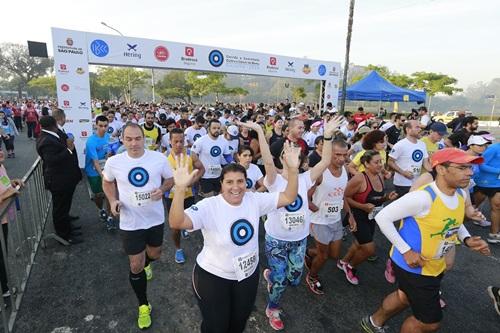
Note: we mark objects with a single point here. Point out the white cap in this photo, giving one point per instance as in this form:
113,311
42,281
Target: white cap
476,140
233,131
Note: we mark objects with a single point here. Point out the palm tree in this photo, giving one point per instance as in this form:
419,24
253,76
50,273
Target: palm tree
347,49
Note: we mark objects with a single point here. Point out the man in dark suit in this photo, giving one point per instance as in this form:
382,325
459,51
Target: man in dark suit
60,176
60,117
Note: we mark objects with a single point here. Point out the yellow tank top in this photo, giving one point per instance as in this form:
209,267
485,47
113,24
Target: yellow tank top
173,165
432,235
151,136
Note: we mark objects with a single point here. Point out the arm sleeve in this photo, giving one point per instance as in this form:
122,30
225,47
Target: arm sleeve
463,233
412,204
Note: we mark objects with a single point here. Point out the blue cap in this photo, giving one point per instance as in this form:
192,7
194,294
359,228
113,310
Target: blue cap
439,127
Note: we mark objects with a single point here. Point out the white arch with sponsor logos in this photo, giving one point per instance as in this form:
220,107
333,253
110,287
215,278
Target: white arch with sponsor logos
75,50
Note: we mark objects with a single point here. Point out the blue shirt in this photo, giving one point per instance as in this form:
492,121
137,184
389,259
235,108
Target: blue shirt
95,149
490,169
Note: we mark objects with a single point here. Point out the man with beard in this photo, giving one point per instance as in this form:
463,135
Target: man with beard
152,133
211,149
459,138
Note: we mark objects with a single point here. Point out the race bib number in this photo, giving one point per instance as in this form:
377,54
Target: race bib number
374,212
214,170
292,221
245,265
148,141
447,244
415,169
331,210
140,199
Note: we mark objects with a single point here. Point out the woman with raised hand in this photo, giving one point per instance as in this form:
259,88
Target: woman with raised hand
287,228
226,274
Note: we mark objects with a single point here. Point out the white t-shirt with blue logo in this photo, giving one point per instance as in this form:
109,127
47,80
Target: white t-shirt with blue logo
136,178
211,153
230,233
409,156
290,223
192,134
253,176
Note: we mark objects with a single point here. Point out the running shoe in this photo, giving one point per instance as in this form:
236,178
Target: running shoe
267,277
389,272
184,234
110,223
149,272
483,224
314,284
350,273
493,238
179,256
103,215
368,327
494,293
144,319
274,316
372,258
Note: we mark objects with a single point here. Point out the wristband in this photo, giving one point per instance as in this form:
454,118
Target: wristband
328,139
464,241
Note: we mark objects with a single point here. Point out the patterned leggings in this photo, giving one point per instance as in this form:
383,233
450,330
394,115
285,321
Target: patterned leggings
286,261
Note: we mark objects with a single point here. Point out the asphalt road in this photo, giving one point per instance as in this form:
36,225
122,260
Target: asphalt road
85,288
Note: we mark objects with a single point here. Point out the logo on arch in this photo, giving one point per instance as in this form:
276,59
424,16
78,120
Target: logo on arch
215,58
417,155
64,87
99,48
161,53
322,70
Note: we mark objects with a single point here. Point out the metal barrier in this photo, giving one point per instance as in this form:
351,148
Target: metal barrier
27,216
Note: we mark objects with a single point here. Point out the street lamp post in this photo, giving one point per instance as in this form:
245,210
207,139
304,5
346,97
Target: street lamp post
128,73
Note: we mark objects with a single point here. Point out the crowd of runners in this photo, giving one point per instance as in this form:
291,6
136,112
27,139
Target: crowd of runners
225,169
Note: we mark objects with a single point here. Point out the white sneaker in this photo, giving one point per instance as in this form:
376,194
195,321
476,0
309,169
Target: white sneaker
493,238
482,224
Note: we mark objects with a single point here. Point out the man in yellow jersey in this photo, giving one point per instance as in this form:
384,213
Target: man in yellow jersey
437,131
432,221
152,133
178,150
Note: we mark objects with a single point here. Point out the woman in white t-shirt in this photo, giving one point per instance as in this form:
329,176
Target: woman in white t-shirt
287,228
255,178
226,274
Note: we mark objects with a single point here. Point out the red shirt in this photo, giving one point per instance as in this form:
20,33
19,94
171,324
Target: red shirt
359,117
31,115
17,112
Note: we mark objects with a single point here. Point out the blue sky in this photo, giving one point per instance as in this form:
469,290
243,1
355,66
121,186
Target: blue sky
456,37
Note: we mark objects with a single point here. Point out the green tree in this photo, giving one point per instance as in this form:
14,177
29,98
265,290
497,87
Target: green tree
175,85
122,80
20,67
298,93
434,83
43,85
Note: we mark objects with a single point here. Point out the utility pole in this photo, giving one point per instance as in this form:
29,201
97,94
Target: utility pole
347,50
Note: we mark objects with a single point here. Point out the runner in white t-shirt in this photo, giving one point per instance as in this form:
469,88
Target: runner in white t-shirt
287,228
326,201
407,158
195,131
226,273
212,150
255,178
139,178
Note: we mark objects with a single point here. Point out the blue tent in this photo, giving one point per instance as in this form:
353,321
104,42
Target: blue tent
375,88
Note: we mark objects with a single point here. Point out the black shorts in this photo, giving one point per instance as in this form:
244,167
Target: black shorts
365,228
208,185
423,294
401,190
135,241
188,202
488,191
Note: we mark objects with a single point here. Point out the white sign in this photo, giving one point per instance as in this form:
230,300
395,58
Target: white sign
74,50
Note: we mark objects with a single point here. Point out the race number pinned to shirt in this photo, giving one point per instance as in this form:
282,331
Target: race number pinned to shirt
331,210
374,212
140,199
214,170
447,244
149,141
415,170
245,265
293,221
